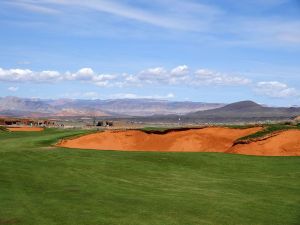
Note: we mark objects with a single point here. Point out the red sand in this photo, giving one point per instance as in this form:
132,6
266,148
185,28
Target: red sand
25,128
286,143
211,139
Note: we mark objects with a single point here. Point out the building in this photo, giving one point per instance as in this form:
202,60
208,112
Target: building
105,124
25,122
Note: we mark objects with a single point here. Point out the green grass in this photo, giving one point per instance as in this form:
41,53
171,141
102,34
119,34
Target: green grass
159,129
48,185
164,129
267,130
246,126
3,129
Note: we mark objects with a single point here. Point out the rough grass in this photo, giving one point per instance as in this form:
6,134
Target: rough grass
164,129
268,129
246,126
159,129
45,185
3,129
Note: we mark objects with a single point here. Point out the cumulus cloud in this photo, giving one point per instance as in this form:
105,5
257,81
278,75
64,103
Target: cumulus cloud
135,96
180,70
88,75
26,75
180,75
13,89
276,89
204,76
154,75
82,74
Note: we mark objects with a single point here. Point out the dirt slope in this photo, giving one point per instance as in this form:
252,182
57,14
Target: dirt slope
286,143
212,139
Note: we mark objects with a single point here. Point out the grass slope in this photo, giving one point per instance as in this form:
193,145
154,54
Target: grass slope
42,185
268,130
3,129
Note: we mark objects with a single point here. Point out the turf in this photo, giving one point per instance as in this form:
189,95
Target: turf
3,129
269,129
158,129
48,185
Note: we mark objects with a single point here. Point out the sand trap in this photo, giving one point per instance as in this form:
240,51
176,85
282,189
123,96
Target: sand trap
285,143
25,128
211,139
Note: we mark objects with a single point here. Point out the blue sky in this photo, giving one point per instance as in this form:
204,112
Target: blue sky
208,51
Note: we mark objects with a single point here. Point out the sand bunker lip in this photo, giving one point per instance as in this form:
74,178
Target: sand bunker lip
209,139
27,129
284,143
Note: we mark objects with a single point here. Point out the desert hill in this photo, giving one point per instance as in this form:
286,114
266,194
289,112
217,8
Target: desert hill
245,111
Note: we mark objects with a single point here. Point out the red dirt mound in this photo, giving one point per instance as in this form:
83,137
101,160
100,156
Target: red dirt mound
286,143
25,128
211,139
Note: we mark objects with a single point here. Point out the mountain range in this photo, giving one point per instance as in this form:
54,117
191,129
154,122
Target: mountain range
24,107
244,111
146,110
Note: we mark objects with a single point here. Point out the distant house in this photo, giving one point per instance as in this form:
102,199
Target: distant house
24,122
105,124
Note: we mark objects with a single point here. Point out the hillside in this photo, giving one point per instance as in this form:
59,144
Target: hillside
245,111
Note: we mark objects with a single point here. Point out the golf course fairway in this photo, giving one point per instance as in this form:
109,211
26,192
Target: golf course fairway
45,185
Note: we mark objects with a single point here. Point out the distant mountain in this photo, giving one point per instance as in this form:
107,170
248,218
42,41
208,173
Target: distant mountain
244,111
242,106
13,106
146,110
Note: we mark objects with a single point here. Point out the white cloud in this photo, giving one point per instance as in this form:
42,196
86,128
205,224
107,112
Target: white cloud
103,79
276,89
180,70
82,74
26,75
13,89
208,77
88,75
153,75
180,75
160,75
135,96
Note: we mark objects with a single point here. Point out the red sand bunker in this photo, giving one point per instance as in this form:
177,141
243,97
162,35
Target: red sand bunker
211,139
25,128
286,143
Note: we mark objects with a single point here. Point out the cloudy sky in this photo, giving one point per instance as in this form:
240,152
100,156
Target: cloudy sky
198,50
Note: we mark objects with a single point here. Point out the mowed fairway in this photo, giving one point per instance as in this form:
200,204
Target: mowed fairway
40,185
